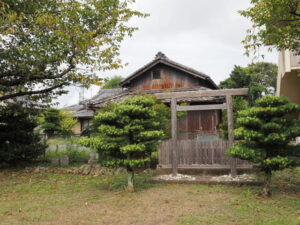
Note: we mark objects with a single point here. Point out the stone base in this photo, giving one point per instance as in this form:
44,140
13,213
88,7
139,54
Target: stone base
206,180
205,170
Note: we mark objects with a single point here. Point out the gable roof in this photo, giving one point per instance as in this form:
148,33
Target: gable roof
161,58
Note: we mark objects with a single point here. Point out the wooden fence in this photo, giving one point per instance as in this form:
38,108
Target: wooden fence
194,153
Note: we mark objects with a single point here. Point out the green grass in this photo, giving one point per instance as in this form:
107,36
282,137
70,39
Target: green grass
75,156
60,141
74,199
119,182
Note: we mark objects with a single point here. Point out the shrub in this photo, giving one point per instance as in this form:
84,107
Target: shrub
50,121
264,133
54,121
128,133
18,142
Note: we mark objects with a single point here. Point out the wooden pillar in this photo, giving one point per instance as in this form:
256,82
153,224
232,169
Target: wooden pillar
230,132
174,136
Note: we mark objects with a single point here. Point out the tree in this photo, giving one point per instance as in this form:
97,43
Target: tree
67,123
50,121
54,121
264,134
49,44
276,24
259,77
112,82
18,142
127,134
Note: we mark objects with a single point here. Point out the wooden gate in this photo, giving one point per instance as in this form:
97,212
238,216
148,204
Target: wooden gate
194,153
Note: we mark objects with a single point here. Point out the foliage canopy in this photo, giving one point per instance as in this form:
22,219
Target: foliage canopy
276,24
46,45
54,121
112,82
259,77
50,121
67,122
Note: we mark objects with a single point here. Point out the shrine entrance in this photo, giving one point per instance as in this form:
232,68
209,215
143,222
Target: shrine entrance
197,152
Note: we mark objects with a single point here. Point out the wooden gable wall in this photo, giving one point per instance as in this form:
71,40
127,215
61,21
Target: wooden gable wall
195,123
170,78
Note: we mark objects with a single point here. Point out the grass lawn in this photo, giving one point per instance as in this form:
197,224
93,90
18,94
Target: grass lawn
74,199
61,140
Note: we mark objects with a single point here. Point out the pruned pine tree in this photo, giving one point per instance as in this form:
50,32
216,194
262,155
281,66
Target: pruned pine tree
19,144
264,134
128,133
50,121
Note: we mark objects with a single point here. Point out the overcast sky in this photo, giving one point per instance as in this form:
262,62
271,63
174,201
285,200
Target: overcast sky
204,35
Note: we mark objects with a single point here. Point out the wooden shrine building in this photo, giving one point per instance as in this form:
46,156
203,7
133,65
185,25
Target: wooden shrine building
196,143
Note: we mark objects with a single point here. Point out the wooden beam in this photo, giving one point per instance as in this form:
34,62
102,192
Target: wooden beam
201,107
204,93
174,136
230,133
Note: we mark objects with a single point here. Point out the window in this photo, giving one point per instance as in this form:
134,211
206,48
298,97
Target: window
155,74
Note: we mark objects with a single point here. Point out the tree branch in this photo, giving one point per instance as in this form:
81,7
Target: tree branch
291,20
33,77
23,80
43,91
294,8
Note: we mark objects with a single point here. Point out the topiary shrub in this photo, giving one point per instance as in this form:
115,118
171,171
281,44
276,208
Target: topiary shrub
264,133
128,133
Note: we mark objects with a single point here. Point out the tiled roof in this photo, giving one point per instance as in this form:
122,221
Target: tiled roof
85,113
82,110
103,94
120,97
74,107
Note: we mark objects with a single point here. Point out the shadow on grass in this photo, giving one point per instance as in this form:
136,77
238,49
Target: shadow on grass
118,182
286,181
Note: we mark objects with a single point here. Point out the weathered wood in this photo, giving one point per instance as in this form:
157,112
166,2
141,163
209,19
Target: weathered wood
230,132
201,107
213,160
174,136
205,152
206,93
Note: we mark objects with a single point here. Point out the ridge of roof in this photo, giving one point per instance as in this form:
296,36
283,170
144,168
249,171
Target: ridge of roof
162,58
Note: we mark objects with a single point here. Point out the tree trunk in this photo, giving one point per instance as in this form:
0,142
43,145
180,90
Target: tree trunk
130,186
267,183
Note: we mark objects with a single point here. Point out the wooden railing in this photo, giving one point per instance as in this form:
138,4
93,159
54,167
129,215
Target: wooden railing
194,153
